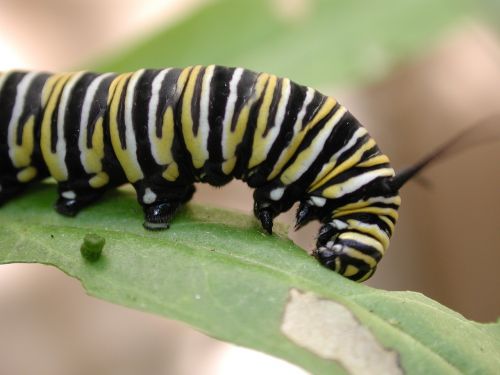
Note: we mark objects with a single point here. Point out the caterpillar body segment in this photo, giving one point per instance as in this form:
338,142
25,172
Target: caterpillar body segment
74,139
164,130
20,116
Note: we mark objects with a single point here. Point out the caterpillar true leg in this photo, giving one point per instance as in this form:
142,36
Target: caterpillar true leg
265,214
270,200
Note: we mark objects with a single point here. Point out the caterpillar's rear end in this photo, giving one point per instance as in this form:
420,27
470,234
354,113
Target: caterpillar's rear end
20,117
163,130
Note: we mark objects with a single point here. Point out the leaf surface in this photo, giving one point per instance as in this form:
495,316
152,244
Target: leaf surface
217,271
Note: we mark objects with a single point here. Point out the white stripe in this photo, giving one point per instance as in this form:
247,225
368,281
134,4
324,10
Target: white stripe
359,181
229,112
131,144
61,114
316,146
299,122
17,111
302,113
279,117
84,118
203,125
389,200
355,137
152,110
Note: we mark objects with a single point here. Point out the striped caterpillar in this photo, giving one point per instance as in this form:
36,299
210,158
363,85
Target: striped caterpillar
164,130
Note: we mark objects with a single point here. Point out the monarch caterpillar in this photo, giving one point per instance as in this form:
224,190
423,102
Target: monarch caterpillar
164,130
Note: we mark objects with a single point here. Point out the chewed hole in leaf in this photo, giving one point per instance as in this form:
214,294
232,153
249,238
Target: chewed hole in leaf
331,331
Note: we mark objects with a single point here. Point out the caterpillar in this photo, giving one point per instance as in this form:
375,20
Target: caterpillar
164,130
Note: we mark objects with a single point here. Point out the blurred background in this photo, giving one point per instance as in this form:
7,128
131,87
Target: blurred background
414,73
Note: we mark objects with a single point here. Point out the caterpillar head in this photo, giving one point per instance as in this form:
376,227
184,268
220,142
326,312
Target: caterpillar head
356,230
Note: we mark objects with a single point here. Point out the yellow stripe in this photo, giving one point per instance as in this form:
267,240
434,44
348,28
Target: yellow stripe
93,156
21,154
356,254
371,229
396,200
234,138
259,141
389,223
345,165
112,87
366,276
193,142
49,86
381,211
328,167
181,81
379,159
355,183
128,162
99,180
289,151
26,174
164,144
350,270
369,206
307,156
363,239
51,97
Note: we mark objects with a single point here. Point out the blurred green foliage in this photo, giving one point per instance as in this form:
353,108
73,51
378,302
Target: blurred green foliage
328,41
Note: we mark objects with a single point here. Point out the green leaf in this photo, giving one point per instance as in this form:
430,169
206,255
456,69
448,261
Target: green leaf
329,41
217,271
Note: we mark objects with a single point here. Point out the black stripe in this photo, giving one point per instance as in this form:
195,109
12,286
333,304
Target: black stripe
32,105
72,120
8,96
219,93
303,182
120,116
285,136
243,150
346,260
7,100
196,100
140,112
363,248
245,91
271,117
53,121
99,106
167,97
179,150
314,106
